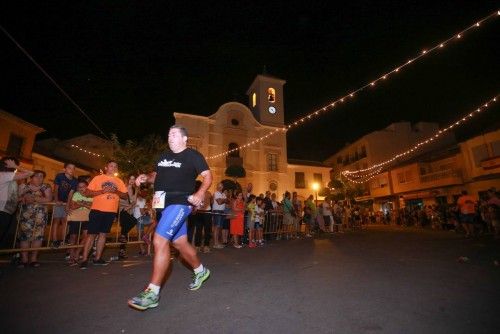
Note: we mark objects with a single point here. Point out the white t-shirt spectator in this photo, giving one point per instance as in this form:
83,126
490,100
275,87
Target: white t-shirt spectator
326,209
258,214
8,192
217,206
140,203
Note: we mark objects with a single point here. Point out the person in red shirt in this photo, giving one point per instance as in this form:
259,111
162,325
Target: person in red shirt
467,212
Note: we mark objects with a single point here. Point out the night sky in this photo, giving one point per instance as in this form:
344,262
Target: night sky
131,64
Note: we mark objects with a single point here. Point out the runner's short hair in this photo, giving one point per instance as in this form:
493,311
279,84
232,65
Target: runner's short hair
181,129
66,164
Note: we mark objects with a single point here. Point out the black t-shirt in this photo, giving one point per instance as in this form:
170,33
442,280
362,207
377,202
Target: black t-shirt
176,174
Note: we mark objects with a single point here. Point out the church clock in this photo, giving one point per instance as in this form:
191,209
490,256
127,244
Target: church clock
266,100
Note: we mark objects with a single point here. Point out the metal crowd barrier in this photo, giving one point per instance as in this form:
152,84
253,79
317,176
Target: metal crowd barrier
133,237
273,226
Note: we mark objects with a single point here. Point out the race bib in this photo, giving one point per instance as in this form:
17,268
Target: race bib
159,200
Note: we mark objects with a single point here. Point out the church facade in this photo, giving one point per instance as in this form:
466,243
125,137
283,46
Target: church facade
234,125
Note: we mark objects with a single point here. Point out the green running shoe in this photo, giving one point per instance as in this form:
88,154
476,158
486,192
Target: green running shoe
146,299
198,279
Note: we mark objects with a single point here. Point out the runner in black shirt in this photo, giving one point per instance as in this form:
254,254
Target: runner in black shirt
174,183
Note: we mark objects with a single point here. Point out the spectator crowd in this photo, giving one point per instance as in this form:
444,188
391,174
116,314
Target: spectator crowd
227,218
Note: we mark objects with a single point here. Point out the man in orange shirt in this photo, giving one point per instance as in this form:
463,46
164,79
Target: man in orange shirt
106,190
467,206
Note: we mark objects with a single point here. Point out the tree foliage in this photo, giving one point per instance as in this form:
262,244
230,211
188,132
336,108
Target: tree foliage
135,157
340,190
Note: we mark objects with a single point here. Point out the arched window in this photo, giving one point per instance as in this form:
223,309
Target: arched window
235,147
254,100
271,95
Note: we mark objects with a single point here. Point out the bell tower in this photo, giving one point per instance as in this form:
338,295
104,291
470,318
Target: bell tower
265,97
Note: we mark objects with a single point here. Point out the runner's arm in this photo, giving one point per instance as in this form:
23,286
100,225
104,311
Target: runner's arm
197,197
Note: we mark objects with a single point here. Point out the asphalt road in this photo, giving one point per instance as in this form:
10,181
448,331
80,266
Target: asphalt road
380,280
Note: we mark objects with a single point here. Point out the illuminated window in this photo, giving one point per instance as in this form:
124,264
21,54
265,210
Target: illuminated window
300,180
495,148
254,100
405,177
272,162
15,145
479,153
271,95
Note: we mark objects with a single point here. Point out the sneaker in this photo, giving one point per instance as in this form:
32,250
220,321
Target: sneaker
146,299
72,262
100,262
198,279
84,264
206,249
122,254
219,246
237,246
252,245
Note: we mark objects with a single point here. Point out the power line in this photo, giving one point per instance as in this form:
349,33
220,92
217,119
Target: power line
63,92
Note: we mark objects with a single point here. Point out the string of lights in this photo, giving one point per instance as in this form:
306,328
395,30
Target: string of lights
355,176
458,36
363,179
86,151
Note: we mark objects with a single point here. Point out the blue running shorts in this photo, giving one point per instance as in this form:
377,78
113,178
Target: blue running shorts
172,224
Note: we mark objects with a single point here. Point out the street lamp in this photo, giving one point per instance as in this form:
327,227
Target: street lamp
315,187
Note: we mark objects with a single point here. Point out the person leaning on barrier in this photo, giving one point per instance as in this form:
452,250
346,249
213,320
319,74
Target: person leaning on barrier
10,173
65,185
125,217
33,198
78,220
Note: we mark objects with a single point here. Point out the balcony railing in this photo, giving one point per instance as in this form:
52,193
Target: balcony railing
444,174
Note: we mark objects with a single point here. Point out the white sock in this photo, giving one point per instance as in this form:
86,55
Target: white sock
155,288
199,269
